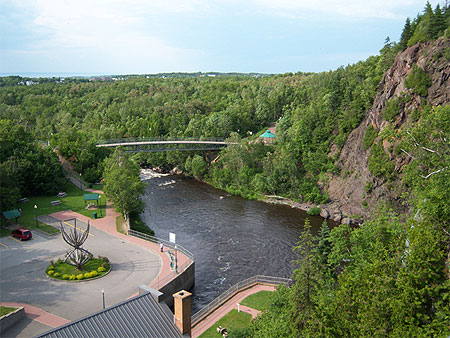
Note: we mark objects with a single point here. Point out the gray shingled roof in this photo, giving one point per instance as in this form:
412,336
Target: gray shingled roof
141,316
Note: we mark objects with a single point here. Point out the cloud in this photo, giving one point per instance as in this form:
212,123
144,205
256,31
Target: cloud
355,9
114,34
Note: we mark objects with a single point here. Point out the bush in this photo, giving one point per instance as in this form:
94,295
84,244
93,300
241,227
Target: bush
56,274
418,81
392,109
379,162
80,276
87,275
314,211
72,277
51,272
101,269
51,267
370,136
65,276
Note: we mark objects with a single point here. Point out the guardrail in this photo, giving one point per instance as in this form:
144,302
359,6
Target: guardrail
159,139
219,301
166,243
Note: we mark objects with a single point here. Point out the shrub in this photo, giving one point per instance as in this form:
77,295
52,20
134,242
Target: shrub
72,277
392,109
65,276
80,276
51,267
87,275
101,269
369,186
56,274
51,272
379,162
418,81
314,211
93,273
370,136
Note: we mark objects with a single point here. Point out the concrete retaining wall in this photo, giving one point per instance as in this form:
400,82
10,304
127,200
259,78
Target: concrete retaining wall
11,318
184,281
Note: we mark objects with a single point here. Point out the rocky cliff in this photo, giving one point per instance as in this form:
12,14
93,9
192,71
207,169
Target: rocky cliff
356,191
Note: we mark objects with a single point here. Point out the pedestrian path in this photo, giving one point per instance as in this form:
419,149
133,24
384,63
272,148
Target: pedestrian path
231,304
39,315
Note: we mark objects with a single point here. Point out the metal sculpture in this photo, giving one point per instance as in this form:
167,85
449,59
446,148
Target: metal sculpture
75,237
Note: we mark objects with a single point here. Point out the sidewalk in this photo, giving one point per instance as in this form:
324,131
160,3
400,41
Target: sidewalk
39,315
231,304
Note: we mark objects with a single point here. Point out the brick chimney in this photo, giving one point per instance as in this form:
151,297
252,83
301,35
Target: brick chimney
182,306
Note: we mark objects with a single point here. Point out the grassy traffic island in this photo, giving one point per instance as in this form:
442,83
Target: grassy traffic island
93,269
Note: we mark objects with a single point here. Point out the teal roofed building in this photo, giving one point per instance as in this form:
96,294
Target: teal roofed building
268,137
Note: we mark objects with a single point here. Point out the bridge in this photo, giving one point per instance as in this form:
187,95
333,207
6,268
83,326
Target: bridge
165,144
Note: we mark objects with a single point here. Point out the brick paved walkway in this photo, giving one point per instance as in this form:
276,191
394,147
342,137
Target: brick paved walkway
39,315
231,304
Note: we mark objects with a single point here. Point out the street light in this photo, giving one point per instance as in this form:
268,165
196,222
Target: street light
100,207
103,297
81,186
35,213
176,259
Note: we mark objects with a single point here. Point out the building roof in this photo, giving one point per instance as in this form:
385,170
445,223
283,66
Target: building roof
140,316
11,214
90,197
268,133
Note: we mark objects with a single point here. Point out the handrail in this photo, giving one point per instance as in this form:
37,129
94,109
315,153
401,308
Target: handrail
160,139
157,240
219,301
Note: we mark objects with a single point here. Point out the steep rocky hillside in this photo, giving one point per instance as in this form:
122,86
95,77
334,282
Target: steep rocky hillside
356,191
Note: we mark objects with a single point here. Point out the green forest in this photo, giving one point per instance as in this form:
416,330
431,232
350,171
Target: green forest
387,277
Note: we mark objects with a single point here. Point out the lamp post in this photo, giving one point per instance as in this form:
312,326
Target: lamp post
103,298
176,259
100,202
81,186
35,214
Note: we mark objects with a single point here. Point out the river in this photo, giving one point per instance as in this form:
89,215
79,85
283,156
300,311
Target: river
231,238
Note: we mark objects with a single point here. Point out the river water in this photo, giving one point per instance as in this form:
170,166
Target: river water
231,238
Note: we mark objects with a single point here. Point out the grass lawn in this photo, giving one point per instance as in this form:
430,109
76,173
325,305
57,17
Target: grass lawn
258,301
73,201
97,187
61,269
120,224
232,320
4,310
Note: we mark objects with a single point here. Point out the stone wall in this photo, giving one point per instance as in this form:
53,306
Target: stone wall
183,281
11,318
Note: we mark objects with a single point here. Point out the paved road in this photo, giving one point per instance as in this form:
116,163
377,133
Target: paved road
22,266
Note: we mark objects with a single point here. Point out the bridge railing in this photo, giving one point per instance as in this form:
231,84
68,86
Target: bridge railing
242,285
156,139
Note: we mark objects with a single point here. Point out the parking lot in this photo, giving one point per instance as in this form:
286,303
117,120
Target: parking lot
14,252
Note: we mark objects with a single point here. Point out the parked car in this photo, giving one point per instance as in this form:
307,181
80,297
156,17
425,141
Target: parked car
22,234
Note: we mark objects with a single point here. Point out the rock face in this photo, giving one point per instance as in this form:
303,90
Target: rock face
356,191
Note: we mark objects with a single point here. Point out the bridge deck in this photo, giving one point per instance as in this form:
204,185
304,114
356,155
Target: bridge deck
138,143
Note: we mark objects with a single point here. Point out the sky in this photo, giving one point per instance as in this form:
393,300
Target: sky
94,37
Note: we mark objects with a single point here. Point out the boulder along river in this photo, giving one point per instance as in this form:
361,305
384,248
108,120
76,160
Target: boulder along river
231,238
